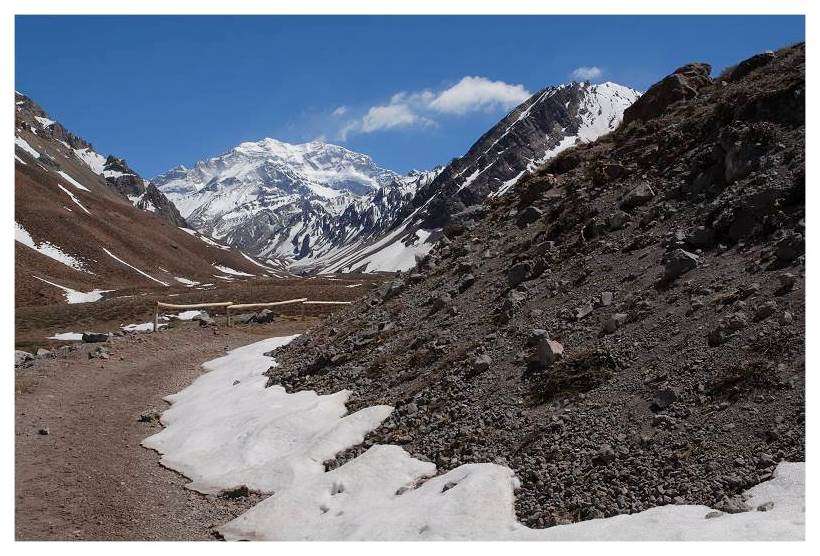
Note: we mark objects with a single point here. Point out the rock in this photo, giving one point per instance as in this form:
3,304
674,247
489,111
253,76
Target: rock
786,318
242,318
94,337
528,216
614,322
765,311
482,363
748,65
765,507
583,311
392,289
546,352
466,281
205,320
99,353
713,515
788,248
684,83
664,398
264,316
734,505
535,188
441,301
699,237
639,195
21,357
43,431
787,281
606,298
679,262
617,220
518,273
42,352
604,455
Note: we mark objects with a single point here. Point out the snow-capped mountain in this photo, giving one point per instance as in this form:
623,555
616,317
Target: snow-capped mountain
331,209
545,124
300,201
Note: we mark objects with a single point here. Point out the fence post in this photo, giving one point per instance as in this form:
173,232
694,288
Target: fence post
228,315
156,316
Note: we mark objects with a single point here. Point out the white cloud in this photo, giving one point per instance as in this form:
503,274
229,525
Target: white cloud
417,109
478,93
585,73
340,111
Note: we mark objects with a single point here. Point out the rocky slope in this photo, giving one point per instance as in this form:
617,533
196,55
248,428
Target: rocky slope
85,224
625,329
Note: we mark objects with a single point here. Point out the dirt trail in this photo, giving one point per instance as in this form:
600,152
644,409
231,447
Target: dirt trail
89,478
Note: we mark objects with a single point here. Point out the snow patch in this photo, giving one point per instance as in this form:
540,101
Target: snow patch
227,430
72,181
110,254
47,249
74,296
229,270
23,144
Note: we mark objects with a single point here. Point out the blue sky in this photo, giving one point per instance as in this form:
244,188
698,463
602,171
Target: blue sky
412,92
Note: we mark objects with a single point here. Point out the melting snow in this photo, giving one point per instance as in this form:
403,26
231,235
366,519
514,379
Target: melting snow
133,267
72,181
143,327
44,122
20,160
227,430
23,144
185,281
67,336
73,198
74,296
93,160
47,249
229,270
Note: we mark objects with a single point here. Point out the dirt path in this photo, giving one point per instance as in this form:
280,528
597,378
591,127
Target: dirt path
89,478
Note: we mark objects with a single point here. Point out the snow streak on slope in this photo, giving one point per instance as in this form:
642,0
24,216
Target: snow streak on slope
74,296
46,248
227,430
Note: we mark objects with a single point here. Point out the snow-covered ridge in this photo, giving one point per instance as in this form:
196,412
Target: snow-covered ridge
275,442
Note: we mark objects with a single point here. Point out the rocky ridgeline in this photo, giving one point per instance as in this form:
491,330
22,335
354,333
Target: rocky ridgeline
624,331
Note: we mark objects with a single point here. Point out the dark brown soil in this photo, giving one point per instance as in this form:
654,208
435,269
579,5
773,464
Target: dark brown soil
88,478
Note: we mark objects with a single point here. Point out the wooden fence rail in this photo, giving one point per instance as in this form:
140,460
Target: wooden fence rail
231,306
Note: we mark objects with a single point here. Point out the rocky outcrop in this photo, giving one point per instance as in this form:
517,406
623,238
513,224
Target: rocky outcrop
683,84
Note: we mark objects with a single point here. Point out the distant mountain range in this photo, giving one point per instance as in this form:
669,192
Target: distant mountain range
328,209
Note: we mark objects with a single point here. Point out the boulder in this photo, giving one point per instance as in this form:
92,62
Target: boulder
679,262
95,337
528,216
614,322
22,357
683,84
748,65
639,195
482,363
518,273
546,352
664,398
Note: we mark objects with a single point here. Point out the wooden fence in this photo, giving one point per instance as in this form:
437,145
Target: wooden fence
231,306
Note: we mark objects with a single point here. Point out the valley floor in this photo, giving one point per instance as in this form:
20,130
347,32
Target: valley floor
88,478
